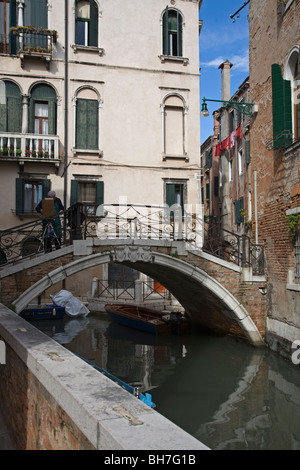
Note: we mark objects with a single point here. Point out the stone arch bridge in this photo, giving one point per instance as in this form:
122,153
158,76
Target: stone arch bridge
216,294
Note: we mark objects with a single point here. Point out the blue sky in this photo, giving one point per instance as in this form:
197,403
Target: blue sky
221,39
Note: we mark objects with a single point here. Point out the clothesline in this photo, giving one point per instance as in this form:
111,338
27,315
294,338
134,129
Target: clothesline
229,142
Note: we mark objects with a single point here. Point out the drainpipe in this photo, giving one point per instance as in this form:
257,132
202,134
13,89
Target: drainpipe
66,109
255,207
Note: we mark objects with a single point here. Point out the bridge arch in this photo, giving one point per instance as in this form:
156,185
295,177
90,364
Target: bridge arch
205,299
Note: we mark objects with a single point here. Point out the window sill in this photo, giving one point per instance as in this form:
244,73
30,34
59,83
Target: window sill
175,157
169,58
89,151
78,47
295,287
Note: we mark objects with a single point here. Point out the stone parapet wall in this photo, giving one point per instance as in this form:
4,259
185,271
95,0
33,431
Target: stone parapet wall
52,400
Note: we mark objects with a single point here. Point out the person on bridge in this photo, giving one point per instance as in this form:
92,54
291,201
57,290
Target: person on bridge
52,225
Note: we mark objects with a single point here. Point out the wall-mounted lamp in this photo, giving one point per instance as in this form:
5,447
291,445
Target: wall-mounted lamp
243,108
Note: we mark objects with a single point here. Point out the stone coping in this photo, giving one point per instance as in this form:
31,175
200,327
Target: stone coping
110,417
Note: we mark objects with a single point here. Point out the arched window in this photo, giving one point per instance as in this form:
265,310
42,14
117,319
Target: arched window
10,107
86,28
172,33
292,73
87,127
42,115
174,126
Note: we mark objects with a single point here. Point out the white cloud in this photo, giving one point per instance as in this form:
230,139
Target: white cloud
240,62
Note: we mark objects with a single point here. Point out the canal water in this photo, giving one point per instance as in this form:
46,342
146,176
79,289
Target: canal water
227,394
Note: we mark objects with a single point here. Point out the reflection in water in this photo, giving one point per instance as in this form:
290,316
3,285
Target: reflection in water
228,395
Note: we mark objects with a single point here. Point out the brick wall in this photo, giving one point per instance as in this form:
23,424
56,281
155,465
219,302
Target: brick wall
35,420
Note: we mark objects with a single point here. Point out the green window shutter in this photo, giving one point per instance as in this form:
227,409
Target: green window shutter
247,152
13,114
99,193
170,194
74,192
92,124
35,12
46,187
179,34
216,186
93,32
19,196
87,124
165,31
207,191
12,22
2,117
236,212
282,109
81,123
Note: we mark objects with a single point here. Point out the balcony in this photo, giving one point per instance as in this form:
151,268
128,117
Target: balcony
34,43
29,147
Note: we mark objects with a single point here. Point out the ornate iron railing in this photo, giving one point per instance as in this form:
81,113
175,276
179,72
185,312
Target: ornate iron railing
108,222
131,290
235,248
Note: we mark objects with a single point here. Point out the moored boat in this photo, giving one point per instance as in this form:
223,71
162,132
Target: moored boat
145,319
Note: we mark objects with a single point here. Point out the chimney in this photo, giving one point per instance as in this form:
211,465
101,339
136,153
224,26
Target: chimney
225,67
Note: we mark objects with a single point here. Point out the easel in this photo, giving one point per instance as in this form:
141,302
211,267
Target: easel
49,232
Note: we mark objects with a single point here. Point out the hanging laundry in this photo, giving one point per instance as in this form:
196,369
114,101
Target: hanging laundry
218,150
232,138
239,131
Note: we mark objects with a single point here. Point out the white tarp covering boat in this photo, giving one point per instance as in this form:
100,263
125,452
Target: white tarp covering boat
73,306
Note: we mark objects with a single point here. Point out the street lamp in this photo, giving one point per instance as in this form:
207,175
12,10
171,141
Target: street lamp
244,108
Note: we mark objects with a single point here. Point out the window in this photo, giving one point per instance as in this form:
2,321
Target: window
238,209
282,109
87,119
174,127
172,33
241,162
89,193
42,114
10,107
8,17
29,192
36,13
292,74
230,176
86,29
175,196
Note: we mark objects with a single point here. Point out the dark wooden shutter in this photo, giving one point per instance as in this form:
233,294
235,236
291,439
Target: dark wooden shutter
46,187
216,186
247,152
179,34
92,125
166,32
19,196
99,192
12,22
81,124
282,109
170,194
74,192
93,32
